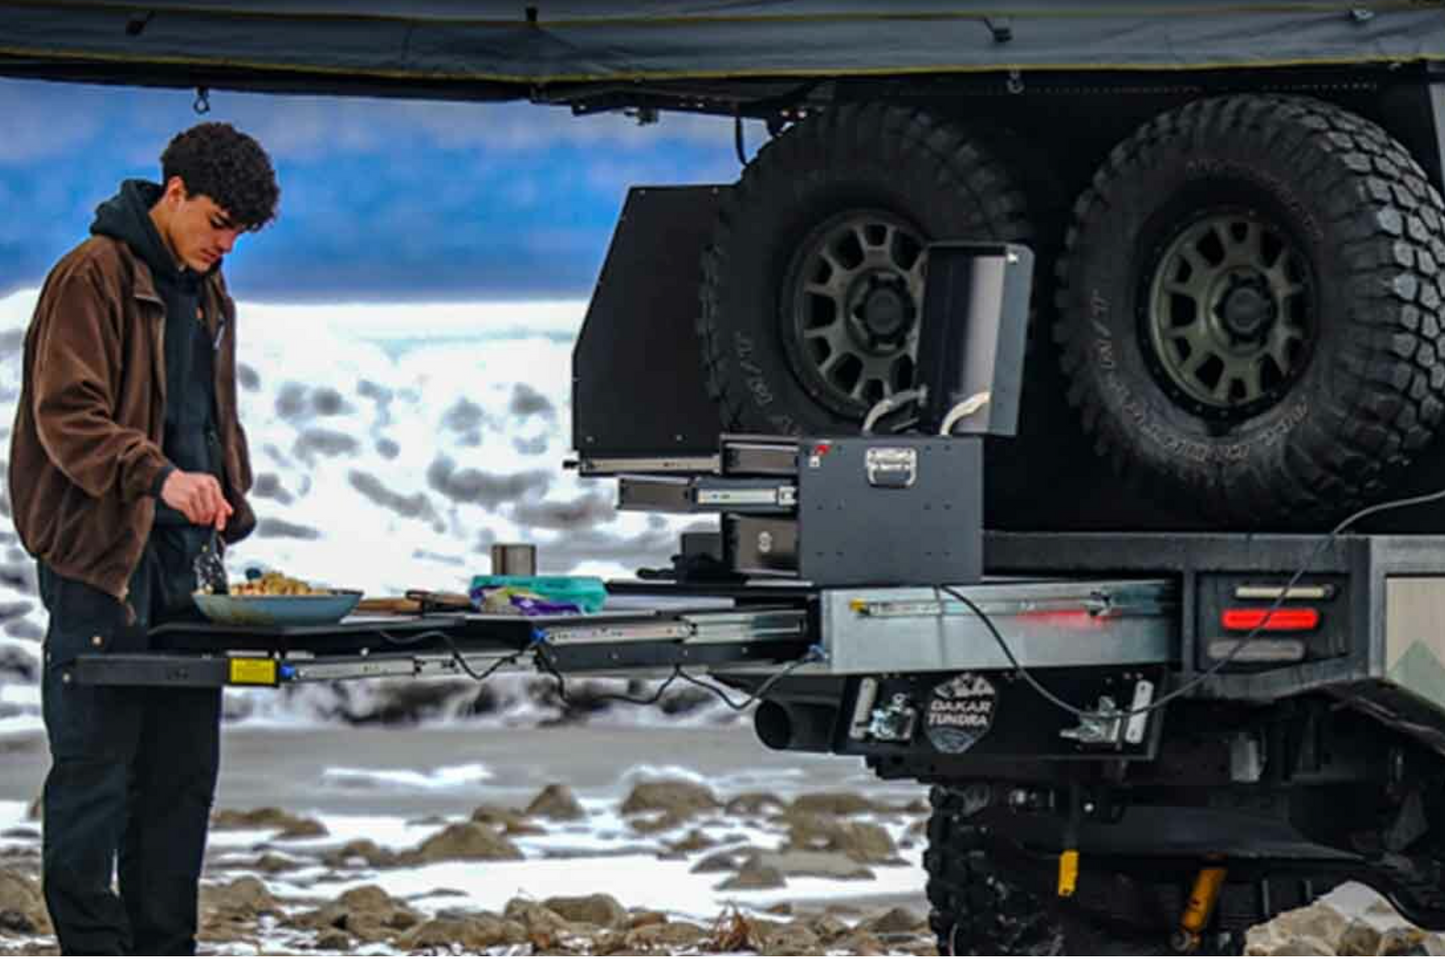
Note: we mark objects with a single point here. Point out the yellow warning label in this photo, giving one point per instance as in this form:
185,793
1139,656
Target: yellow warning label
253,670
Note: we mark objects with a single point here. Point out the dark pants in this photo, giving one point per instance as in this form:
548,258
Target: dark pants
132,774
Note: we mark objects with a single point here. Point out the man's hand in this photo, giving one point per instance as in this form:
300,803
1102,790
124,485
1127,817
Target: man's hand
199,497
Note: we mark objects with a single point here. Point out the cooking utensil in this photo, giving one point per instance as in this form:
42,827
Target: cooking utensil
440,601
211,567
389,605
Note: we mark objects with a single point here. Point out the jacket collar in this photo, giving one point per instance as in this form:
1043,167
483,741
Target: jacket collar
144,288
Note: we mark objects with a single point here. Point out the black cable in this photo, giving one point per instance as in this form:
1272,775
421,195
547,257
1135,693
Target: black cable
738,139
720,694
1218,665
544,657
456,652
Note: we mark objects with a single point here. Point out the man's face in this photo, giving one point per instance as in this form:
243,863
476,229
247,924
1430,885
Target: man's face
200,231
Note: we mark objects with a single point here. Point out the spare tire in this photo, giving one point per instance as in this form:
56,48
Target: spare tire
1250,312
813,283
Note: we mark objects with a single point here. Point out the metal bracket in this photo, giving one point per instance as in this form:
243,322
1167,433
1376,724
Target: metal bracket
894,722
1104,726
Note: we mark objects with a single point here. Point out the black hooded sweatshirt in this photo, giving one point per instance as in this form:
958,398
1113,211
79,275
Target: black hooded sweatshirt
190,436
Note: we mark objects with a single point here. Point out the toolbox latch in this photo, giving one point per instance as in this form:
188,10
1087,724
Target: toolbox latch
895,467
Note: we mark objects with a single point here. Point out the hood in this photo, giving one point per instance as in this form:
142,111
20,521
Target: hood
126,217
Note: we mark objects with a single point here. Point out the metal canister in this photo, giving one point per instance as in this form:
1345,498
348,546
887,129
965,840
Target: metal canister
516,560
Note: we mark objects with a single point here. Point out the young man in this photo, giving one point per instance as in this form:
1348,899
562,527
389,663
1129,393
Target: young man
126,457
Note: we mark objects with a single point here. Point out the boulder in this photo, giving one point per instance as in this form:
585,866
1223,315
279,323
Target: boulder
363,851
898,920
670,935
22,906
543,926
641,919
602,910
753,878
244,899
863,842
681,799
1288,946
463,842
830,928
721,862
224,931
367,912
836,803
271,863
1318,920
475,933
302,828
1402,940
695,841
510,822
753,803
860,942
290,826
791,939
660,824
1359,939
333,942
369,899
556,802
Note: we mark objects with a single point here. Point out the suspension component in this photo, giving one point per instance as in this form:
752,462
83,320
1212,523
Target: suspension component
1198,910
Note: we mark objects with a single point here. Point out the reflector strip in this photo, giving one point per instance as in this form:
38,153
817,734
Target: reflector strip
1302,592
1284,619
1257,650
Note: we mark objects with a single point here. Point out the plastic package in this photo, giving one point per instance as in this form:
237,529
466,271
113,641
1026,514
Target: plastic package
538,595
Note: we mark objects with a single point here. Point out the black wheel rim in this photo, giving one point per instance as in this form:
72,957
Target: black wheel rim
852,302
1228,317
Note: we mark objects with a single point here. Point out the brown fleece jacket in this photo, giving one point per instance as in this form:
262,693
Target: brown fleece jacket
85,454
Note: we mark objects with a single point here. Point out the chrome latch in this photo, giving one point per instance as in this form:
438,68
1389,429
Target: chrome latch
894,722
1105,725
895,467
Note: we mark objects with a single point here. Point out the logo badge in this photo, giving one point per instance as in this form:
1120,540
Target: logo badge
960,711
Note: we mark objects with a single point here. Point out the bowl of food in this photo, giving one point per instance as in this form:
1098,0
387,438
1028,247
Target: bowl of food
275,600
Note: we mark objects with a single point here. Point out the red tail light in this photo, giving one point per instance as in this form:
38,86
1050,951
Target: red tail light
1284,619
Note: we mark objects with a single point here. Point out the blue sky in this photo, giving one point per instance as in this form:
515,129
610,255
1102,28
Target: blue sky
381,200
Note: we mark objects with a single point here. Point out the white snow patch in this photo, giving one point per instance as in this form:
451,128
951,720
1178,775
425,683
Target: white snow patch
438,779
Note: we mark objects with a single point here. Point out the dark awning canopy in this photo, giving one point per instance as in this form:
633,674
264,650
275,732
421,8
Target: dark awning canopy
489,48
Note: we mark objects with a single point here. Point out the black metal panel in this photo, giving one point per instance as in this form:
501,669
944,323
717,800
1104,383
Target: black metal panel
974,330
637,381
1023,725
859,522
152,670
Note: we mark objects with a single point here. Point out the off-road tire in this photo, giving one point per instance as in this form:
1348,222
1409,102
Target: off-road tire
974,906
1370,391
941,179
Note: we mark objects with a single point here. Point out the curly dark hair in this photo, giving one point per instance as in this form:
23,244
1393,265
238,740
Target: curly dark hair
228,166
